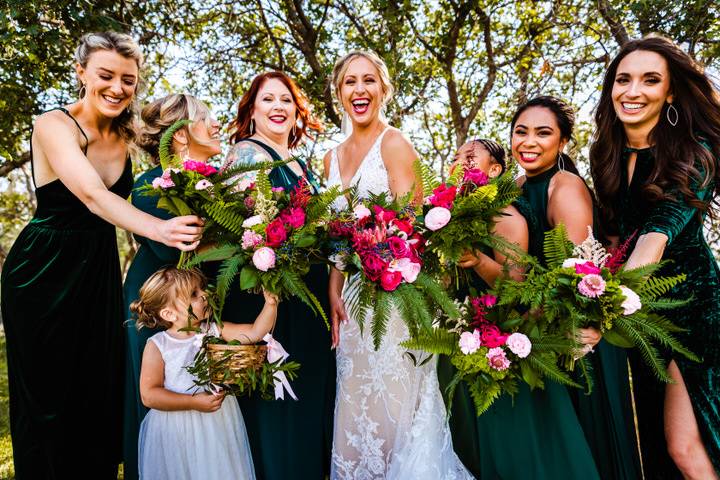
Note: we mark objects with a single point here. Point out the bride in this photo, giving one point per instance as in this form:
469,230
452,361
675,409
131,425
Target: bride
389,415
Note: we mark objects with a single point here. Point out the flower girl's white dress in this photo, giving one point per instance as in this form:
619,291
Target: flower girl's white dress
187,444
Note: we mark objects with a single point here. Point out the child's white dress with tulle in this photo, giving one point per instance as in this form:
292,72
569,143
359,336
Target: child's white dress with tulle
189,445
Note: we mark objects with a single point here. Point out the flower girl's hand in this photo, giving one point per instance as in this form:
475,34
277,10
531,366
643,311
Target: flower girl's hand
208,402
468,260
270,298
589,336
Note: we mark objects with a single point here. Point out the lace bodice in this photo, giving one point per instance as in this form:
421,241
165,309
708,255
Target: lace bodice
370,177
179,353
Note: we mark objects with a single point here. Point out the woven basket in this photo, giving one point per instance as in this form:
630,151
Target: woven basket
243,357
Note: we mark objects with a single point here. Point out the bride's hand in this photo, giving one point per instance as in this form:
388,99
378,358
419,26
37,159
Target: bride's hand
337,315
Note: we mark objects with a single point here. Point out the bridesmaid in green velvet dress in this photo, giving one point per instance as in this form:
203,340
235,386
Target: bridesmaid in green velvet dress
199,142
61,282
289,439
655,166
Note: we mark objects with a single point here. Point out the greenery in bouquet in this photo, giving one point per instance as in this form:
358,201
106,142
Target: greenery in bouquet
278,237
189,187
585,286
378,239
493,348
459,214
214,374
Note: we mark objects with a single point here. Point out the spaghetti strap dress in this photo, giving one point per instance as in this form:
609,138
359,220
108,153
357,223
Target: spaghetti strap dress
292,440
62,310
686,252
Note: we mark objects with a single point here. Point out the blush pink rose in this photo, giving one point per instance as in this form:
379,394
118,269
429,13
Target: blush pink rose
469,342
591,285
519,344
275,233
437,218
264,259
361,211
250,239
632,302
203,184
407,268
389,281
492,337
497,359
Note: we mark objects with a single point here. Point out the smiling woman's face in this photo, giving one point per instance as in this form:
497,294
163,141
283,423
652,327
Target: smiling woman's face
536,140
110,81
361,91
274,109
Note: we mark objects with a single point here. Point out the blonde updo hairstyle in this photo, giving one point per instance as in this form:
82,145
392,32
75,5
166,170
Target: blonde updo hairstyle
341,66
167,285
124,45
157,116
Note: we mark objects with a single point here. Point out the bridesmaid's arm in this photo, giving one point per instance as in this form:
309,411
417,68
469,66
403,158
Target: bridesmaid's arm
398,156
570,203
154,394
56,141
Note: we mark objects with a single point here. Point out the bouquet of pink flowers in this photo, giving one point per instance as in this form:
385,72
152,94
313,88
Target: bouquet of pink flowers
492,348
378,239
585,286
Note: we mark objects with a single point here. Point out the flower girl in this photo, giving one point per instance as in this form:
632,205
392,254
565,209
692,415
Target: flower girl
189,434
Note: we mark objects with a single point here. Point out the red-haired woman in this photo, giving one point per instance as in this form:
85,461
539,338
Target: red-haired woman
289,439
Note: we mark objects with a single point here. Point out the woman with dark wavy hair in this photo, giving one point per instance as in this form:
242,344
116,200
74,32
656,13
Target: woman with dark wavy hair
654,163
289,439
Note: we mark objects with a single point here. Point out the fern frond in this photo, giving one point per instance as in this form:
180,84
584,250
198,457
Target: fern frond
437,294
227,273
215,254
426,177
483,395
381,316
166,142
557,246
548,367
648,352
224,217
437,340
263,184
293,283
655,287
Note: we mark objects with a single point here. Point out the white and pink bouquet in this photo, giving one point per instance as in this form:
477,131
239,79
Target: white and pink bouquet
586,286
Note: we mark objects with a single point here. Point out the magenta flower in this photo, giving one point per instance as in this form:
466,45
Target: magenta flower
587,268
497,359
591,285
199,167
476,176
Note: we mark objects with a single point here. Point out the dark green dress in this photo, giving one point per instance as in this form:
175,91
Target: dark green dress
534,435
688,253
150,257
606,414
292,439
62,313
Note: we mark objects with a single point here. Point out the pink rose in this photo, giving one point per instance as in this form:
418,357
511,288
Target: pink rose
444,196
476,176
469,342
398,247
250,239
162,182
293,216
382,214
389,281
586,268
199,167
203,185
264,259
492,337
361,211
632,302
497,359
591,285
519,344
373,266
437,218
407,268
275,233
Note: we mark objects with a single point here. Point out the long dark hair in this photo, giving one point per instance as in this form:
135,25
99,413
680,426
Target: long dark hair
241,123
676,149
565,117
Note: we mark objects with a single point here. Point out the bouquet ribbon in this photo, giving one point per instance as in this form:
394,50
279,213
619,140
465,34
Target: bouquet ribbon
275,352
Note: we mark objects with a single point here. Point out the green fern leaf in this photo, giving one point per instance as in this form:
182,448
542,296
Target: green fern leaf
426,177
227,273
557,246
225,217
437,340
381,316
655,287
166,142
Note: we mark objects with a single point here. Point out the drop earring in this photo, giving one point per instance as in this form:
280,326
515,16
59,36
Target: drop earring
671,110
252,126
82,91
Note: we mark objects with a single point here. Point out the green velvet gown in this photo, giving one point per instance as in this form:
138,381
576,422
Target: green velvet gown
606,414
62,313
292,439
150,257
688,253
534,435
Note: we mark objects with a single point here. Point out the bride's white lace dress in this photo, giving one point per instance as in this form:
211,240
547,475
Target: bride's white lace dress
389,415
